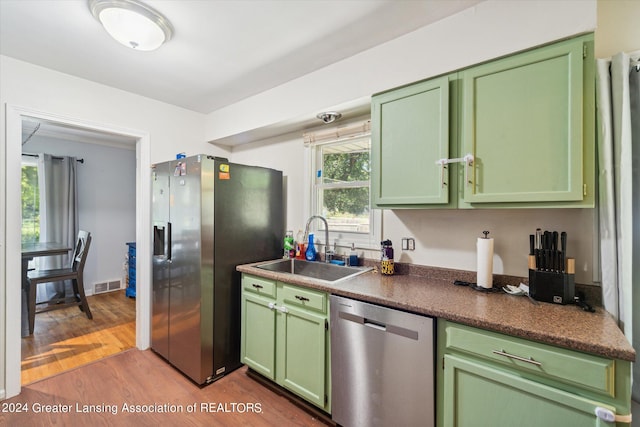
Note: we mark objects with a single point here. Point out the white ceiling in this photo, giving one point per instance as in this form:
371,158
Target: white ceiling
222,51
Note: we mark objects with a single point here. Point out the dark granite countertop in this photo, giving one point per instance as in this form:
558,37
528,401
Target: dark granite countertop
430,291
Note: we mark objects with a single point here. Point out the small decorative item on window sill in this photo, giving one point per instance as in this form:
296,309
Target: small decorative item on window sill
386,258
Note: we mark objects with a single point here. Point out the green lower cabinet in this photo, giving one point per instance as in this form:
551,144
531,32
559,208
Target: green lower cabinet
258,331
476,394
301,354
285,337
486,378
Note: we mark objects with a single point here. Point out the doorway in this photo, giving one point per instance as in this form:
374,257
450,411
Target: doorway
11,249
105,167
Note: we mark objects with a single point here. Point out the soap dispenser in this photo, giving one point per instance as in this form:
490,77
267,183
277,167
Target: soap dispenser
353,256
310,254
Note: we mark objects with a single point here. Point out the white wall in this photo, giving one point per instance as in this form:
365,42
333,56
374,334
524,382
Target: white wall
162,130
106,201
488,30
618,28
172,129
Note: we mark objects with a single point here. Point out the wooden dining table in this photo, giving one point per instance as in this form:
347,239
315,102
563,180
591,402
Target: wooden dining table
29,252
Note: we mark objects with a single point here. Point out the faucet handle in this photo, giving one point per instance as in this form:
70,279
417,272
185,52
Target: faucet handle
328,255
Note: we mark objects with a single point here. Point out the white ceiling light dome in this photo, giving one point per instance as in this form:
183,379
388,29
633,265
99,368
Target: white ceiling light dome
132,23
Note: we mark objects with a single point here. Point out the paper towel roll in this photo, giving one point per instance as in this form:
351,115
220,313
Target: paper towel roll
485,263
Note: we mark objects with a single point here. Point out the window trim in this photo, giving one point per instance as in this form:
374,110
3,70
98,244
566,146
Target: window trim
343,239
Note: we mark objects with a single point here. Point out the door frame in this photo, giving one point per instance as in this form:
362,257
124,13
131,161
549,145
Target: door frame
11,321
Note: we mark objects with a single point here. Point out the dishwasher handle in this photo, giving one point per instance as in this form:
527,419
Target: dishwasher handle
380,326
375,325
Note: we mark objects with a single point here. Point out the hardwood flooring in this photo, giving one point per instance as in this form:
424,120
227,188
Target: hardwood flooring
65,339
139,388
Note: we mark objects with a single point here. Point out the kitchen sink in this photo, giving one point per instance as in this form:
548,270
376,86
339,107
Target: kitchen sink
316,270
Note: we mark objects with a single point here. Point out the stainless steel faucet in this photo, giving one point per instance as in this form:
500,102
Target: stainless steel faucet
328,254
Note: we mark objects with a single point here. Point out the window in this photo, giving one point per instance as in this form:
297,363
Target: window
30,202
340,191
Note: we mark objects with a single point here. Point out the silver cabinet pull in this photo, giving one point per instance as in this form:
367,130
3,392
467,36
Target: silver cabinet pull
513,356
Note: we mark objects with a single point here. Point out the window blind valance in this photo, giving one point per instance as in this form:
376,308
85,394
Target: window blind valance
355,130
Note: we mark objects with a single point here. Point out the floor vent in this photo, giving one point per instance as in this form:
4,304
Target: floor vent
103,287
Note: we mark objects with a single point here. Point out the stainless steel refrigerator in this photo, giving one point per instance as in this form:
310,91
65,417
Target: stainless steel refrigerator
209,215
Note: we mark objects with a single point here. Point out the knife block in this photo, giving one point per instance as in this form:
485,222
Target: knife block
552,286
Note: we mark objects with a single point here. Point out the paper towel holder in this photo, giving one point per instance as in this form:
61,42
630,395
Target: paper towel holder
486,234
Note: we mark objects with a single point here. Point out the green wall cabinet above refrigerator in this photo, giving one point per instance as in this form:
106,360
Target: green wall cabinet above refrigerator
285,337
514,132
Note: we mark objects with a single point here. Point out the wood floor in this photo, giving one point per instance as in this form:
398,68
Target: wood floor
77,371
139,388
65,339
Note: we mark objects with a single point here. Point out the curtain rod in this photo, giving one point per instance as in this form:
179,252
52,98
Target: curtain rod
53,157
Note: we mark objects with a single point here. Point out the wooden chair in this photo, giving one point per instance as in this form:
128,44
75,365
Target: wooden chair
73,273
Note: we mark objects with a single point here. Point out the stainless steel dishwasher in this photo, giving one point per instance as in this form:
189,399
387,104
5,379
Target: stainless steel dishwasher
382,366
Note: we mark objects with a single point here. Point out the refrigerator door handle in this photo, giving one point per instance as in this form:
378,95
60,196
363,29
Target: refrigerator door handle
169,241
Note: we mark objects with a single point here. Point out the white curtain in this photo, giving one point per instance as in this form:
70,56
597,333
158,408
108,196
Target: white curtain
58,214
619,194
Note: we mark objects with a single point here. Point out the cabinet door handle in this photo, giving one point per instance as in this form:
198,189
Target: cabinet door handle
257,286
513,356
468,163
303,299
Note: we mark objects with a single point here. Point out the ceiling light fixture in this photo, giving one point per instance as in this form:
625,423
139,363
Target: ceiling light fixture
329,116
132,23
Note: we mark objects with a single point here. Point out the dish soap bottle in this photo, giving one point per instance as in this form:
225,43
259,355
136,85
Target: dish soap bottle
289,249
310,254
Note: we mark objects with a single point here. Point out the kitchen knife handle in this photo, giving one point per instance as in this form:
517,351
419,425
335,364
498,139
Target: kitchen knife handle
532,244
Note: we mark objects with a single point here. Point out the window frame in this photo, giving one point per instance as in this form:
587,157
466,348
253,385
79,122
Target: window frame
30,162
342,239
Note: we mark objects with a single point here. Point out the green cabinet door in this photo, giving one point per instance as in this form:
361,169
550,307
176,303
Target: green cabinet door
301,353
522,120
258,334
409,134
476,394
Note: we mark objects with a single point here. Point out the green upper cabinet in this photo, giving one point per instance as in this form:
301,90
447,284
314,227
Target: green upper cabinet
522,120
410,133
514,132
